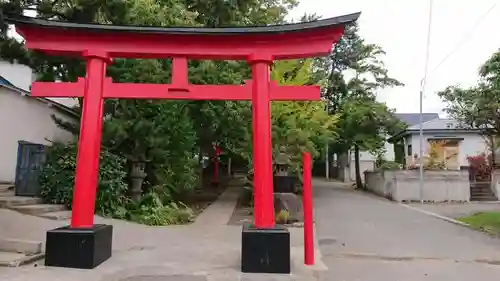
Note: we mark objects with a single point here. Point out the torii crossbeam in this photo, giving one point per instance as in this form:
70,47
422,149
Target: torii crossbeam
85,245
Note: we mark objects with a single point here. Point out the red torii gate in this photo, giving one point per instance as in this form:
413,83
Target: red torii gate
98,44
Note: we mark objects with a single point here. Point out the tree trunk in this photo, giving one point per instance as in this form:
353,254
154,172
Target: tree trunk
359,183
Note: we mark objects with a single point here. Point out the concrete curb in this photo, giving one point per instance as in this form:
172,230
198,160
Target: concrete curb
22,260
20,246
319,265
448,219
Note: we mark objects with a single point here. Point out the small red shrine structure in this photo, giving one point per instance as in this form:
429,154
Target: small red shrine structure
265,247
218,151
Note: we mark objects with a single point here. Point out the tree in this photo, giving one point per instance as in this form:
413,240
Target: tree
141,129
295,126
299,126
478,107
364,124
357,72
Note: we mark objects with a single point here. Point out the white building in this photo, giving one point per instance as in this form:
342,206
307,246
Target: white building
453,143
25,120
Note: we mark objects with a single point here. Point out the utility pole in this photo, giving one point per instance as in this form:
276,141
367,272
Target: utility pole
422,90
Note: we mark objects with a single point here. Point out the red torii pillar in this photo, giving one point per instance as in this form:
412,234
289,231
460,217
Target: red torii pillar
265,247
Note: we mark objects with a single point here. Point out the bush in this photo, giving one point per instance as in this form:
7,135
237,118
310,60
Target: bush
383,164
58,174
155,208
480,166
152,211
390,165
282,217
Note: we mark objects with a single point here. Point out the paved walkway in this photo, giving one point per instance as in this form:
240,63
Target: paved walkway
363,237
207,250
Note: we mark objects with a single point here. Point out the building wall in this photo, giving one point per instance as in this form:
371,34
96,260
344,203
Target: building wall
364,166
22,76
19,75
367,161
472,144
28,119
388,154
403,185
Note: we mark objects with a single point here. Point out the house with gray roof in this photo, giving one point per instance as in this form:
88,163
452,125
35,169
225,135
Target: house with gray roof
412,119
455,143
452,142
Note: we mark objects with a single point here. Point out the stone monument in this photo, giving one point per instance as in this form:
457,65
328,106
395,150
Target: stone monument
285,198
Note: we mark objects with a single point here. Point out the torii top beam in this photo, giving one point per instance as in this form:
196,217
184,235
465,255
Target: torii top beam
278,42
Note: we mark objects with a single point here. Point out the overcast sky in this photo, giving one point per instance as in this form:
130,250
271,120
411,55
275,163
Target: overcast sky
400,27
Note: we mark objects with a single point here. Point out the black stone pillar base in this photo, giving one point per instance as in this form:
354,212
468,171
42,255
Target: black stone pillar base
83,248
265,250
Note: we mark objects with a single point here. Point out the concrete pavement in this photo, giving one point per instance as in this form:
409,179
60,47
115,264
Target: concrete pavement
207,250
361,237
364,237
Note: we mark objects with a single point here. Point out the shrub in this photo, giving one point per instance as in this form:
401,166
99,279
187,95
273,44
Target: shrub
155,208
58,174
480,167
282,217
152,211
391,165
383,164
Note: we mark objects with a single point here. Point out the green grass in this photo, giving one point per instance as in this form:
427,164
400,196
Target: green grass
485,221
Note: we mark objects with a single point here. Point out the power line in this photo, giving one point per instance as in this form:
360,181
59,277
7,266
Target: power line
465,38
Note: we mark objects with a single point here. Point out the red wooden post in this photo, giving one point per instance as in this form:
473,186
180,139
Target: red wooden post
215,178
308,210
262,147
89,145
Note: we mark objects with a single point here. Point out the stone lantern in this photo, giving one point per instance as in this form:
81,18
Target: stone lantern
283,183
282,163
137,176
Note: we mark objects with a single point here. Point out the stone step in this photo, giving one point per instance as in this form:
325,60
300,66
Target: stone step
483,200
20,246
481,191
59,215
9,201
482,194
38,209
7,193
486,186
483,197
6,187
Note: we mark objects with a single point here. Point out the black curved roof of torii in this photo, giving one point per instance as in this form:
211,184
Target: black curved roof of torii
271,29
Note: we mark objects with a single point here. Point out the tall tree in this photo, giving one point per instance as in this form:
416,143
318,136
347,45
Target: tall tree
295,126
357,73
478,107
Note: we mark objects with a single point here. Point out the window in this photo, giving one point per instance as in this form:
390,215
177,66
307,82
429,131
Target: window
409,150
